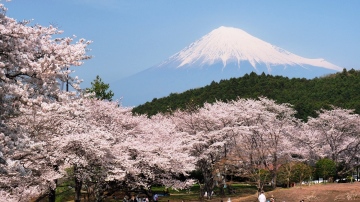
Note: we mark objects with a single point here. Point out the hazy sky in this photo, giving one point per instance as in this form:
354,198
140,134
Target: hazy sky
130,36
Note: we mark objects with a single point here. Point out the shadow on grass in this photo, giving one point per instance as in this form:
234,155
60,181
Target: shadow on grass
65,192
193,194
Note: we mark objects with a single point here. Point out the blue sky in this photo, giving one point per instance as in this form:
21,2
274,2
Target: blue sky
133,35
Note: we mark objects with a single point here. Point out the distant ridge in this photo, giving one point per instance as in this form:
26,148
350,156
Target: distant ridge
224,53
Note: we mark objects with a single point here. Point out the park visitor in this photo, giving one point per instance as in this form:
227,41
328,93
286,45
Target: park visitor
156,198
262,197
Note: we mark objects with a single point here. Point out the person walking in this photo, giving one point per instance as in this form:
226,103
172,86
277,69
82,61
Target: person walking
262,197
156,198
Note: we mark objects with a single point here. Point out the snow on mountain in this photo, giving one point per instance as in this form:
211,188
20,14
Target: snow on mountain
228,44
224,53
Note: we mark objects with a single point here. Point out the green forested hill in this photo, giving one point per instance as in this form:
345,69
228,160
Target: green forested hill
306,96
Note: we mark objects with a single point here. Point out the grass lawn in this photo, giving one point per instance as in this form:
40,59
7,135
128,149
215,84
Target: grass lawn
65,192
193,194
245,193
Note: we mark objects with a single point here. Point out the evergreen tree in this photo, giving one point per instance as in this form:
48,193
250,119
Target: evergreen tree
325,168
100,89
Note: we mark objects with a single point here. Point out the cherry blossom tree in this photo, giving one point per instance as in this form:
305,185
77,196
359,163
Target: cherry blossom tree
33,64
256,133
113,145
46,131
37,157
335,134
274,134
210,127
267,141
90,157
159,154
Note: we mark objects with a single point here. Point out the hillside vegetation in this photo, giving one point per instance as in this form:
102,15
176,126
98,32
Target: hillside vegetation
306,96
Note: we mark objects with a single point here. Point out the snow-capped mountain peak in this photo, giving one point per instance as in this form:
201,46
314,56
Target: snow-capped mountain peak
229,45
224,53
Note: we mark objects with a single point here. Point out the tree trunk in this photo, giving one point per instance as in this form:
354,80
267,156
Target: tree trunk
208,179
148,193
202,191
274,181
99,194
274,171
78,186
52,192
288,182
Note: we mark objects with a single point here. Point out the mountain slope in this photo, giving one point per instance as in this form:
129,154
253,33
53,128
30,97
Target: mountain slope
232,45
222,54
306,95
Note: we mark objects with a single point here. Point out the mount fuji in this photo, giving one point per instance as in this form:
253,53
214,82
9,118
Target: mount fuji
224,53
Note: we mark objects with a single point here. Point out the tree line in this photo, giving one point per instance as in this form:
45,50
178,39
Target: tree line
305,95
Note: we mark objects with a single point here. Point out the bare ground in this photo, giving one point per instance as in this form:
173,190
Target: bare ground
314,193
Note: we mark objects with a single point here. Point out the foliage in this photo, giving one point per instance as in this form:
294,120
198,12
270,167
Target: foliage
302,172
33,62
325,168
100,89
294,172
334,134
45,131
306,96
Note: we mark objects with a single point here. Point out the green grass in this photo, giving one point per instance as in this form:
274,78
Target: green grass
193,194
65,192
